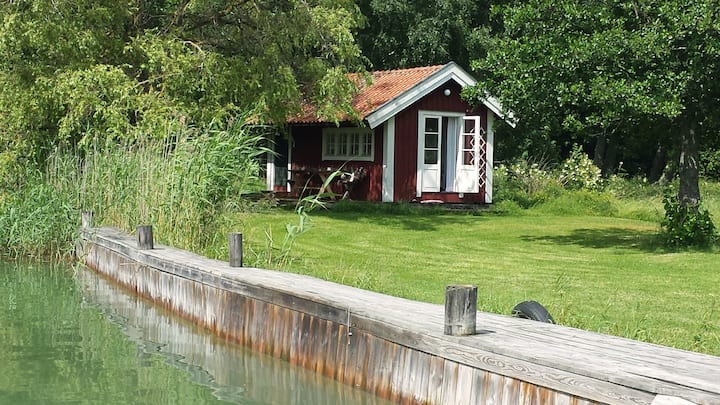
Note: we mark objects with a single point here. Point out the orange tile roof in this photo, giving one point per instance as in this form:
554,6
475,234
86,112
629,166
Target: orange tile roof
385,86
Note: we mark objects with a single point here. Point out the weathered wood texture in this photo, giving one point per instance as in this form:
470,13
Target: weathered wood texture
235,243
460,310
209,360
86,219
145,237
396,347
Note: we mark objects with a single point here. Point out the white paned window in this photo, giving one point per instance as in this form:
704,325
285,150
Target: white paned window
348,144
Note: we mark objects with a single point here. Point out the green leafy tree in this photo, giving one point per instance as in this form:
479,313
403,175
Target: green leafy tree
592,67
401,33
76,72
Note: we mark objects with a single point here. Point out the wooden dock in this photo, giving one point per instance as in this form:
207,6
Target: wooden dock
395,347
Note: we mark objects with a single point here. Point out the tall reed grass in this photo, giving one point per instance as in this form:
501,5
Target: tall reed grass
181,183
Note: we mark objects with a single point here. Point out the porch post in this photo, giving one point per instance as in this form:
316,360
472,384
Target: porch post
489,157
290,159
388,176
270,165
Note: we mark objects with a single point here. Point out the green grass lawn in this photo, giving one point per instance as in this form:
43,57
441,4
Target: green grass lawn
595,273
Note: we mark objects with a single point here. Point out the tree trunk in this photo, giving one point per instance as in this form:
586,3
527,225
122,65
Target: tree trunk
658,164
689,193
610,166
605,153
600,146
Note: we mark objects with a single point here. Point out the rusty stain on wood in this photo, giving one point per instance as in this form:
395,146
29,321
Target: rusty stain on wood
390,352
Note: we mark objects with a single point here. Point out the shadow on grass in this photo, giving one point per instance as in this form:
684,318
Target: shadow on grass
403,216
646,241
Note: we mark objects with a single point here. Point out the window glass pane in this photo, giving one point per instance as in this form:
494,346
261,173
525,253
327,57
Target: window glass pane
431,157
432,125
431,140
354,144
469,141
342,145
347,143
367,150
329,144
469,126
468,158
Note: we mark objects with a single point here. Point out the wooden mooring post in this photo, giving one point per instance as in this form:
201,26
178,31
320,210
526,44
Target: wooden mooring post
236,249
460,310
87,219
145,237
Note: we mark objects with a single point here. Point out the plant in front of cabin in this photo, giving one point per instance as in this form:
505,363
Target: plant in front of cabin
280,256
526,182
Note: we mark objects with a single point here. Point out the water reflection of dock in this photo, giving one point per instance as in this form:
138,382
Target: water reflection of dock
234,373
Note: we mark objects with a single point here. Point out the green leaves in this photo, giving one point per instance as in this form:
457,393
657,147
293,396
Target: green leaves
598,62
685,226
78,71
419,33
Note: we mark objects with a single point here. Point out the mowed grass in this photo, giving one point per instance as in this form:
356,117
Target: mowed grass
596,273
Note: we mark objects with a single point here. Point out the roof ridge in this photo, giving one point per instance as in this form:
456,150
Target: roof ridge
383,87
407,69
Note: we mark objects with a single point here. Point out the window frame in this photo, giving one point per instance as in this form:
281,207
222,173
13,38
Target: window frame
344,136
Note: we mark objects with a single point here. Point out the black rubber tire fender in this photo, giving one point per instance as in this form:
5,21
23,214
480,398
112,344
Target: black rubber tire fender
532,310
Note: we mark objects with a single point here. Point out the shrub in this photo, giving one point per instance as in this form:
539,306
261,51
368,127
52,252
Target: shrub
710,164
632,187
38,220
578,172
526,183
684,226
181,184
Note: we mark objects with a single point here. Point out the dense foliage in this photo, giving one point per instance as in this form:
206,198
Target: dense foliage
683,227
639,74
401,34
572,69
183,188
77,72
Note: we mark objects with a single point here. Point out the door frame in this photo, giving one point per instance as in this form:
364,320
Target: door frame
451,115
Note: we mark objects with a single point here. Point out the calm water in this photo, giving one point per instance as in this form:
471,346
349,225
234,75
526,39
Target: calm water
70,338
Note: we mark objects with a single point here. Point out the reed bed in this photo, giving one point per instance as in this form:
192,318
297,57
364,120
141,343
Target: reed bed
182,183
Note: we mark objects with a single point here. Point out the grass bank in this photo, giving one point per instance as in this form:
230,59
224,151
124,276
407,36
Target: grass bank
606,274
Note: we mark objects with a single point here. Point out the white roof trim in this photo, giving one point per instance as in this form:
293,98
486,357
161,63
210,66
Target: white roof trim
494,105
450,71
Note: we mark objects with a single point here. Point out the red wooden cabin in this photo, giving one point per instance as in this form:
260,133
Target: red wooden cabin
419,141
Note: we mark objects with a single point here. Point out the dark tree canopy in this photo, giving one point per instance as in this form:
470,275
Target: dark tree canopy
400,33
643,69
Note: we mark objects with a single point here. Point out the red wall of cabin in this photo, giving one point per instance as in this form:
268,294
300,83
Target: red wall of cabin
307,149
307,153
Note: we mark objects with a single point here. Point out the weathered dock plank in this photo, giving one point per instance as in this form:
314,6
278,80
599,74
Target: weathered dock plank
516,361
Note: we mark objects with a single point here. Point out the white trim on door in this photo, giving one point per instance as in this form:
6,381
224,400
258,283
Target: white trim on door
468,155
289,164
489,155
429,153
422,114
388,176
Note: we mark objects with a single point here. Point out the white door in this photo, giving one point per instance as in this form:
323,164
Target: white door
468,156
429,156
